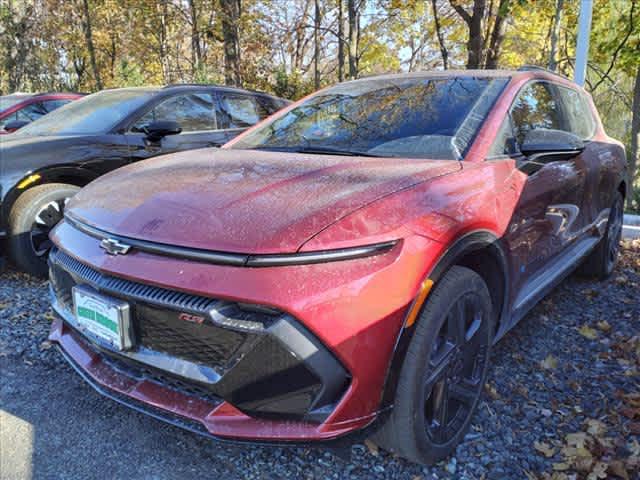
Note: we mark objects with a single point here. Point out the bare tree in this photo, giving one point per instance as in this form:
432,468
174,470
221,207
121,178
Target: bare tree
196,50
497,34
340,41
475,44
354,36
485,36
555,32
231,39
443,49
618,49
316,39
88,35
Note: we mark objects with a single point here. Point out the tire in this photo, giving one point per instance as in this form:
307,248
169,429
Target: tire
603,259
412,429
32,217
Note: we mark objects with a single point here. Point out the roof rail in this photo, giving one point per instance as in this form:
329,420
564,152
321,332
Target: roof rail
53,92
217,85
192,85
529,68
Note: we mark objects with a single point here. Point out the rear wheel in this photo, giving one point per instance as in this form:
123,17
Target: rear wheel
444,372
601,262
32,217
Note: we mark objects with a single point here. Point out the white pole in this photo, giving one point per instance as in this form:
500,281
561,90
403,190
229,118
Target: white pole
582,48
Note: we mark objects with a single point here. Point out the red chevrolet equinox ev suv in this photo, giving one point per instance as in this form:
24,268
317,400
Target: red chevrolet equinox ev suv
345,265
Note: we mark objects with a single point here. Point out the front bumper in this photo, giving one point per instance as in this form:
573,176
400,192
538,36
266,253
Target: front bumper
351,313
176,403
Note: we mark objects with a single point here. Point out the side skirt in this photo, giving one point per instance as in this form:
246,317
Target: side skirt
540,285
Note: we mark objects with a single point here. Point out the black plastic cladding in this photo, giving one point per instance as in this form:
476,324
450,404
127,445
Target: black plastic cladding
280,370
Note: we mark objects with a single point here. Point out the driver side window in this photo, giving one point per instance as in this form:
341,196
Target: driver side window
535,107
192,111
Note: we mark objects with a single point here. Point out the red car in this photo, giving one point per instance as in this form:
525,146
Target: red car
344,266
19,109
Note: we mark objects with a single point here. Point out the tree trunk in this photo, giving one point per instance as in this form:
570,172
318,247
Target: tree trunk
555,32
316,39
196,51
231,39
443,49
476,41
340,41
635,134
353,38
88,35
497,35
475,44
162,43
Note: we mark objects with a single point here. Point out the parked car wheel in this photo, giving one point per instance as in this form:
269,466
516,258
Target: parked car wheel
445,369
32,217
601,262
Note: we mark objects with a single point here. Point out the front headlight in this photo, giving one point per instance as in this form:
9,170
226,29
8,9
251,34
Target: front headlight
306,258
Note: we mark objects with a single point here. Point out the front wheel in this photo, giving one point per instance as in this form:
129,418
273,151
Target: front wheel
32,217
444,371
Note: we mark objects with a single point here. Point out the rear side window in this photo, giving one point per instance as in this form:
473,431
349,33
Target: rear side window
578,115
535,107
193,112
239,111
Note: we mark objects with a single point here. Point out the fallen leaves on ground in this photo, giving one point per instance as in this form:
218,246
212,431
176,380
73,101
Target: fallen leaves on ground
544,448
372,447
549,363
588,332
592,455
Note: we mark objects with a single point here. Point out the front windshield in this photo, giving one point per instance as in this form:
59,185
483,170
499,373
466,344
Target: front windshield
92,114
414,117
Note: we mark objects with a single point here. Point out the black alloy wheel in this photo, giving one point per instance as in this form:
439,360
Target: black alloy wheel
444,370
46,218
31,219
455,370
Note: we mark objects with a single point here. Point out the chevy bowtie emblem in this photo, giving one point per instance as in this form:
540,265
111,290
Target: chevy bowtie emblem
114,247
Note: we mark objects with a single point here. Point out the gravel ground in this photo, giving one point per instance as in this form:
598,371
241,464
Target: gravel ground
562,402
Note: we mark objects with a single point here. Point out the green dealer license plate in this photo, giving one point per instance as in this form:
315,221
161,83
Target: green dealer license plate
107,319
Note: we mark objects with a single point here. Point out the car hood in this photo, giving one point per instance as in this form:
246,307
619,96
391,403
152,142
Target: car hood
243,201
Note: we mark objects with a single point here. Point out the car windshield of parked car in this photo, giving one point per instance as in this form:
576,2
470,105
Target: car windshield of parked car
93,114
413,117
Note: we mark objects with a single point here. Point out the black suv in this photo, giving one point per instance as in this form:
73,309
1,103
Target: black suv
48,161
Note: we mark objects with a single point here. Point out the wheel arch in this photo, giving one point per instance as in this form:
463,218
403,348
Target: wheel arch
480,251
70,174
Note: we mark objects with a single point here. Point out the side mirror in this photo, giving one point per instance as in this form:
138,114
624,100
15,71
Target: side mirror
156,131
557,144
14,125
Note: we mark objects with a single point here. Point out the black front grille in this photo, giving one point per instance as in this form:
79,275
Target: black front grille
155,315
161,330
134,290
